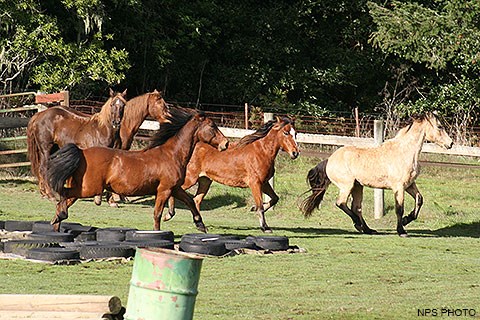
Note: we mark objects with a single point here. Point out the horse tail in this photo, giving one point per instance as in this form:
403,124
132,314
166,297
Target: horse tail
319,182
32,149
61,166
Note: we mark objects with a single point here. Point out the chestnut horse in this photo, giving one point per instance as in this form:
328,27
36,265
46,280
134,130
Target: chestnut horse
249,164
158,170
49,130
392,165
136,111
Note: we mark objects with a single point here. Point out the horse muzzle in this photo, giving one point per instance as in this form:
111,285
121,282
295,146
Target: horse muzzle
448,145
223,146
294,155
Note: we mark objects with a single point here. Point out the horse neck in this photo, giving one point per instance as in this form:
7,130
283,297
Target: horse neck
269,146
183,143
411,141
136,110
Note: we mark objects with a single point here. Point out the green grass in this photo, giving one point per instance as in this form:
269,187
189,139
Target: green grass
342,275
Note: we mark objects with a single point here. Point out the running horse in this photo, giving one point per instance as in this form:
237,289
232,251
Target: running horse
158,170
49,130
393,165
248,164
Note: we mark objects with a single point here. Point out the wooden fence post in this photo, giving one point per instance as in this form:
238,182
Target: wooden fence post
246,115
267,116
378,194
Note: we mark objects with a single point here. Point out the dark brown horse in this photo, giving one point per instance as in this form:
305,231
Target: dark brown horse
49,130
136,111
250,164
158,170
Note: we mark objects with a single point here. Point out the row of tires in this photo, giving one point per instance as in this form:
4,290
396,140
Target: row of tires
78,242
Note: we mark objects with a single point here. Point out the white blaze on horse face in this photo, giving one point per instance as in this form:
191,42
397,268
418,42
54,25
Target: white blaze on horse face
294,135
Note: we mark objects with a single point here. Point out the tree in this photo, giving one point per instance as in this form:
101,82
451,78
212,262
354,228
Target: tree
35,53
440,40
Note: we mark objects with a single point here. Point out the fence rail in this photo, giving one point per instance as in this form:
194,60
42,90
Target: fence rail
228,124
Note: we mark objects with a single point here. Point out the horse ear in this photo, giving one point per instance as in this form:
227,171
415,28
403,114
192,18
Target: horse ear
278,119
112,93
124,93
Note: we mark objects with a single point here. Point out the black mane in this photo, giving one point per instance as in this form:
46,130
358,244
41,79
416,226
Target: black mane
262,132
177,118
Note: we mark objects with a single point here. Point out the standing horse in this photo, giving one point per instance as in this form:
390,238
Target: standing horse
392,165
158,170
250,164
49,130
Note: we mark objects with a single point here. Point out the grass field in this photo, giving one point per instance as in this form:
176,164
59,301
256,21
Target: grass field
342,275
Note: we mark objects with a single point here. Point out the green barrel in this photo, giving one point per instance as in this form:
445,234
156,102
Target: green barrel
164,285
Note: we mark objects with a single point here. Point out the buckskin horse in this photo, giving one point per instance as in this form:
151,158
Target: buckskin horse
393,165
157,170
51,129
248,164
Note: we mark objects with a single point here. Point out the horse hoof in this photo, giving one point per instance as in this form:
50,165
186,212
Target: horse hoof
358,227
201,227
97,200
370,231
266,230
113,204
168,216
403,235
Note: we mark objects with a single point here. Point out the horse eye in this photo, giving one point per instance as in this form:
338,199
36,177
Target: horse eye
286,133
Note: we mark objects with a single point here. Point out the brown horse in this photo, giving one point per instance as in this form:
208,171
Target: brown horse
136,111
49,130
393,165
250,164
158,170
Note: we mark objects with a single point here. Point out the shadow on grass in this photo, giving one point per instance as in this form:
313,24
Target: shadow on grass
305,231
469,230
208,204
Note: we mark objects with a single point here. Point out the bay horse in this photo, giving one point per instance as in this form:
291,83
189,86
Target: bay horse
51,129
157,170
248,164
393,165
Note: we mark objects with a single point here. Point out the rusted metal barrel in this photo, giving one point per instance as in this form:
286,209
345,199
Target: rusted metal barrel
164,285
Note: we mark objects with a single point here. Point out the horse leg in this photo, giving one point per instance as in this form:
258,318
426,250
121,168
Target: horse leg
204,184
171,209
268,190
160,199
260,211
413,191
357,198
342,204
62,212
183,196
190,180
399,209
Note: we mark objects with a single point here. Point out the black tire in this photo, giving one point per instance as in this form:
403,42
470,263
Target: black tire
53,254
192,237
20,247
86,236
76,228
112,234
106,251
274,243
51,236
42,226
211,248
137,235
18,225
231,244
2,244
2,225
150,243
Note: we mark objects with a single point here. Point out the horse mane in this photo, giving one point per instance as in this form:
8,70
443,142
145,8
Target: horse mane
104,116
136,106
176,118
417,117
261,133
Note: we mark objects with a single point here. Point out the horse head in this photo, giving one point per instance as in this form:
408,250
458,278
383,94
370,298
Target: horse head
157,107
208,132
436,133
286,135
117,106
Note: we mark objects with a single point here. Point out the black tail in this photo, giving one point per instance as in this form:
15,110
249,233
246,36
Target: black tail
61,165
319,182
